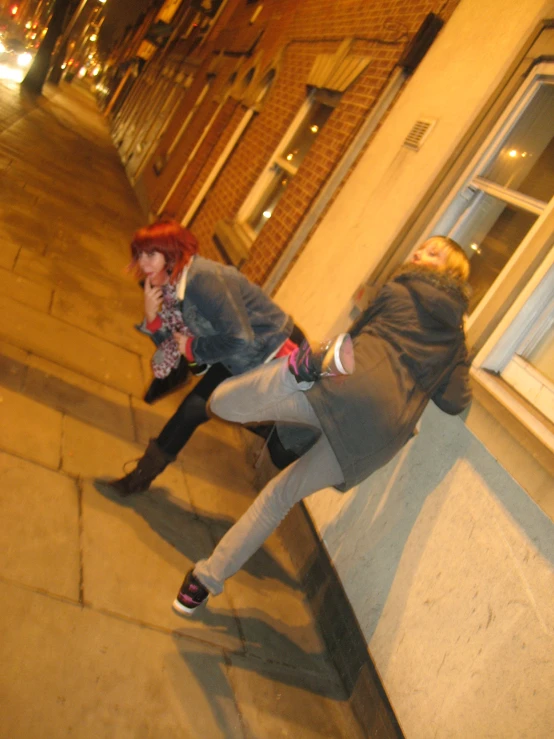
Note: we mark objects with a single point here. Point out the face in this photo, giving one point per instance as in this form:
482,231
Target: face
152,265
431,253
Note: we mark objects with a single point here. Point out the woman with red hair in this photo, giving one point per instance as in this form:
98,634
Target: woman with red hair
207,312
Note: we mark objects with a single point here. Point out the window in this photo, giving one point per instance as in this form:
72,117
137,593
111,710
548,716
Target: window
509,190
202,22
284,164
502,214
521,351
329,77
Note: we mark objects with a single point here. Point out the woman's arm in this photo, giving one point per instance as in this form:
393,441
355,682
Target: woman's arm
223,307
454,394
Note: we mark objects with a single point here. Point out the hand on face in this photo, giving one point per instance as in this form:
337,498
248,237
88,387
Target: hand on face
152,300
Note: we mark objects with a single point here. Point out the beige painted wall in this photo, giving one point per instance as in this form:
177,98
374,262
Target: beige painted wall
448,565
446,560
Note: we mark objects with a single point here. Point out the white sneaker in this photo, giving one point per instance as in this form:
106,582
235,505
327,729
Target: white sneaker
339,357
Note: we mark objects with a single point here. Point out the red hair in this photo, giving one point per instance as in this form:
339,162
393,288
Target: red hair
169,238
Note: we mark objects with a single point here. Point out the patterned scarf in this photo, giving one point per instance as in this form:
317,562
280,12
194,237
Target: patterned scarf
167,356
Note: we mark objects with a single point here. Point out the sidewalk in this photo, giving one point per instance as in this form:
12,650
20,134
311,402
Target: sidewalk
90,646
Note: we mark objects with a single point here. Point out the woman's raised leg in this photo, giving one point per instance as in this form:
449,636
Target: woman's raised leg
266,393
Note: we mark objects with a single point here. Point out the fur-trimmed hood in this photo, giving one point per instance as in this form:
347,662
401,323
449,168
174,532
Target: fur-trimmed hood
440,294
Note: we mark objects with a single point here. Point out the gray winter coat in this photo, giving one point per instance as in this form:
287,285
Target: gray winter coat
233,321
409,347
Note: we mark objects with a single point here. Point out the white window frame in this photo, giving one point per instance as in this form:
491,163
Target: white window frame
175,98
188,119
266,178
225,154
191,156
499,358
502,345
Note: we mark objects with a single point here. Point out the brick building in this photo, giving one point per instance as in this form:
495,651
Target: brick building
264,72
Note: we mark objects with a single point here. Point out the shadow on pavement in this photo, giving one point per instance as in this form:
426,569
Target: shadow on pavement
319,682
171,518
283,694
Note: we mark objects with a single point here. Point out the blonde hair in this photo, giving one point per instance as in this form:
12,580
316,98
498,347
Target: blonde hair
457,263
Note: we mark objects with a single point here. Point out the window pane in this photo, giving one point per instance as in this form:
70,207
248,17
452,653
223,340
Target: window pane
525,159
271,197
306,134
489,233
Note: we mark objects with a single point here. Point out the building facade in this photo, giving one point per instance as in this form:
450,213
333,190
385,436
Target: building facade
299,141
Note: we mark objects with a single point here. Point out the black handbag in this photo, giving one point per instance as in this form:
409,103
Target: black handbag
160,387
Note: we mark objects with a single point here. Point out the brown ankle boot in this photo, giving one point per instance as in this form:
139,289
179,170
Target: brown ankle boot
152,464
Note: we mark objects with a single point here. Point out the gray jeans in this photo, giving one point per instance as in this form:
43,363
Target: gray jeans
267,393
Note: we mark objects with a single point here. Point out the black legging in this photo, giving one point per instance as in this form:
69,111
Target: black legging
192,412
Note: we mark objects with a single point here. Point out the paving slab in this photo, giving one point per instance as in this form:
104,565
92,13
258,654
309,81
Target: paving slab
71,275
8,253
106,320
67,670
39,524
93,251
106,307
68,392
169,535
25,291
29,429
19,205
79,397
90,452
65,344
141,544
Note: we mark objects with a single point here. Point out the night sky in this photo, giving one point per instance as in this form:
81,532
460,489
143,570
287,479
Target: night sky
120,13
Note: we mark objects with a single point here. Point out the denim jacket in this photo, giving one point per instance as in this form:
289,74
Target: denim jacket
233,321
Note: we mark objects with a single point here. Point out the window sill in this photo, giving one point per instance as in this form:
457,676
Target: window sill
232,241
515,434
523,413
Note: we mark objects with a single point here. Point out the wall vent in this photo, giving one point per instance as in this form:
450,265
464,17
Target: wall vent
420,130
